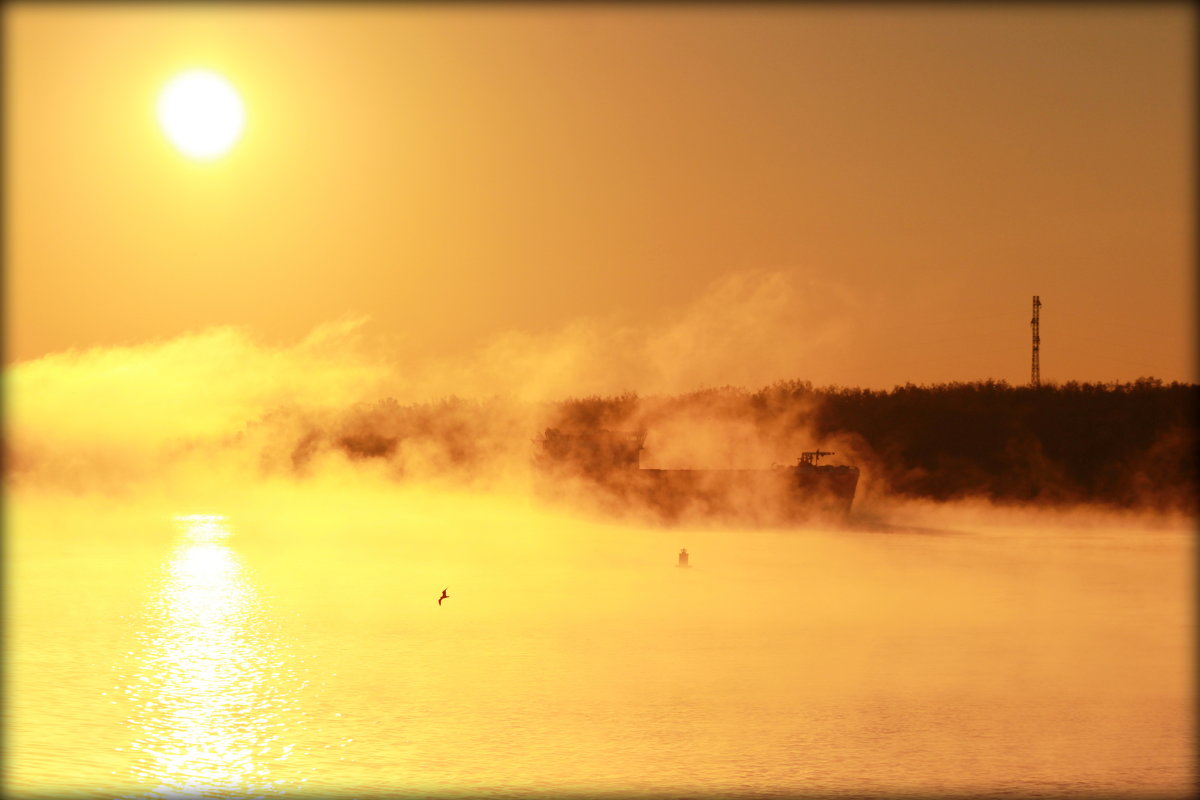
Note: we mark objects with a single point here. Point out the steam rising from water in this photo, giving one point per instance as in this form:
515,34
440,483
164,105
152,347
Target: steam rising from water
214,410
217,405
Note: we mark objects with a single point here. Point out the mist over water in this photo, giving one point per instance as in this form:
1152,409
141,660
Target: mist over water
291,642
217,403
229,605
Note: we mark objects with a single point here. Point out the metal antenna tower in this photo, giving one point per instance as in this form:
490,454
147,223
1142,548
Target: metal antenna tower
1035,378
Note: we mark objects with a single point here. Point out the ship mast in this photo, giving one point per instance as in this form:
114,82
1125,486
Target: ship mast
811,457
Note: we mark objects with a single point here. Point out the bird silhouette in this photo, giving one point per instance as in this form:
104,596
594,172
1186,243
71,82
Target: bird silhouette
444,596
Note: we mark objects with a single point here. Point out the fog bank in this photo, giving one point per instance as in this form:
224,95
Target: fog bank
215,410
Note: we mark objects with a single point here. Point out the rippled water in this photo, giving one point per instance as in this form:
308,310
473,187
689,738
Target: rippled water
291,643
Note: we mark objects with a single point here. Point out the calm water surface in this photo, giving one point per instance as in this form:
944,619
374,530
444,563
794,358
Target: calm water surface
291,643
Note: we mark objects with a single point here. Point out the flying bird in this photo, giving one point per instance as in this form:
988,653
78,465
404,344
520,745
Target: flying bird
444,596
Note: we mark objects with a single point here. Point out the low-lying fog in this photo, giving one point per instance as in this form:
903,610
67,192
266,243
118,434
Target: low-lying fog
303,646
225,612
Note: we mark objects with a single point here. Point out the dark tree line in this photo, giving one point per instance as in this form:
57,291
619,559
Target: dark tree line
1130,445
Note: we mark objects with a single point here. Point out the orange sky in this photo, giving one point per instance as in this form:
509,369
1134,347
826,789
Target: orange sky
891,183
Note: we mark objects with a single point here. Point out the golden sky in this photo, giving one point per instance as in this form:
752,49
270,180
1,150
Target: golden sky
877,190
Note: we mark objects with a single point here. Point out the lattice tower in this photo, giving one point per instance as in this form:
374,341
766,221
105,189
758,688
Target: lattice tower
1035,377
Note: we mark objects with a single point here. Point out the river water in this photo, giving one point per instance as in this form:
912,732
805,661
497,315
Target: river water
287,641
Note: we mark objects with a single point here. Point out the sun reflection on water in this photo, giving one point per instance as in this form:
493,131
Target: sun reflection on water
213,691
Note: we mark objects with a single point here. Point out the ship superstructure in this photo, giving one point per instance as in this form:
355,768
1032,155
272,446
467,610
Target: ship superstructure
610,461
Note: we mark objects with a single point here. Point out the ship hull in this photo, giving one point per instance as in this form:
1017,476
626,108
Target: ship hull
770,496
605,465
781,496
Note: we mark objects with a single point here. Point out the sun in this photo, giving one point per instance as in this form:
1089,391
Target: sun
201,113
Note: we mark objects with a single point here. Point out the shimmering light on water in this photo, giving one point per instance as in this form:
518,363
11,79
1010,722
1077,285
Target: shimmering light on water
212,693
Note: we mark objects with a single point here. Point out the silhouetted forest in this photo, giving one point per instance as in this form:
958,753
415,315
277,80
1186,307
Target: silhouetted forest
1130,445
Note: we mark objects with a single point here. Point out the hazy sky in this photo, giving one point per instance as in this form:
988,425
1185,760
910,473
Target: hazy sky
877,190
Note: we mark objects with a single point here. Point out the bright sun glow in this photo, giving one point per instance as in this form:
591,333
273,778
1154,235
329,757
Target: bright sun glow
201,114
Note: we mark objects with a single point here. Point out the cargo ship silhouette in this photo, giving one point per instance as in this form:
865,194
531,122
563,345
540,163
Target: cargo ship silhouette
610,462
